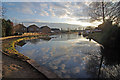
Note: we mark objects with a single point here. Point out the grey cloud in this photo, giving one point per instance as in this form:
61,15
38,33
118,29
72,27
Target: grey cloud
57,5
73,9
58,9
60,13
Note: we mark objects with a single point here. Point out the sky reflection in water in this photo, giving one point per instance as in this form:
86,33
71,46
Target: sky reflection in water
67,55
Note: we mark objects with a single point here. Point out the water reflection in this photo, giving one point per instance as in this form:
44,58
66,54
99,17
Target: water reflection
35,41
64,37
21,43
46,39
67,55
111,55
92,65
111,63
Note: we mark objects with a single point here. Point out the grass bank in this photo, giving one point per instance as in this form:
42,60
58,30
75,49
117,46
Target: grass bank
8,46
108,37
96,37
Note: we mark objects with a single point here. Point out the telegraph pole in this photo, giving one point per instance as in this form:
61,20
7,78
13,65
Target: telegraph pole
103,14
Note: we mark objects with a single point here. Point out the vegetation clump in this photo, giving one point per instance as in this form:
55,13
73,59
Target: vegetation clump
7,28
109,35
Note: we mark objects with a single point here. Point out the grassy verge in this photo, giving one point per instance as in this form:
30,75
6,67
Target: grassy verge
109,37
8,47
96,36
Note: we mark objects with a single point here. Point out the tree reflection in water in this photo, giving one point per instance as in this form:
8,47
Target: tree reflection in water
111,63
110,67
35,41
21,43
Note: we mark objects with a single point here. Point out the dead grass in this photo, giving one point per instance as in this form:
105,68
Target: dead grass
8,47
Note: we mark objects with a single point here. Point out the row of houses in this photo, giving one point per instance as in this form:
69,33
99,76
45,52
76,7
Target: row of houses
20,29
96,29
87,31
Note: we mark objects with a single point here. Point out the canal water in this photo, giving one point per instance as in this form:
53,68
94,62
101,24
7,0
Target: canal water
67,55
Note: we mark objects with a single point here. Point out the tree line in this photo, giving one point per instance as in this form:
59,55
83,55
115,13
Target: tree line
7,27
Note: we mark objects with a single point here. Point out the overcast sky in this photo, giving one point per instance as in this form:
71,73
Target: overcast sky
52,12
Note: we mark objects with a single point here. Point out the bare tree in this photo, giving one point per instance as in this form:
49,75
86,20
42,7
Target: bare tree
105,10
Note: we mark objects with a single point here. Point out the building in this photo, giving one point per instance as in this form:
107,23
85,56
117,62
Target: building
33,28
19,29
45,29
55,30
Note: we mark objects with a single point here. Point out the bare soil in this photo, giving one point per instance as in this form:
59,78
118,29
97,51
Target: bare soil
13,68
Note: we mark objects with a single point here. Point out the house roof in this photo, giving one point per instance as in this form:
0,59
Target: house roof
44,27
33,26
18,25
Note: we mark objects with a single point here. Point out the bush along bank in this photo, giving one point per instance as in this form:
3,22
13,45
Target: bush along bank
110,35
109,38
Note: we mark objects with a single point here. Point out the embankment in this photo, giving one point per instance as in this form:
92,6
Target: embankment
8,48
